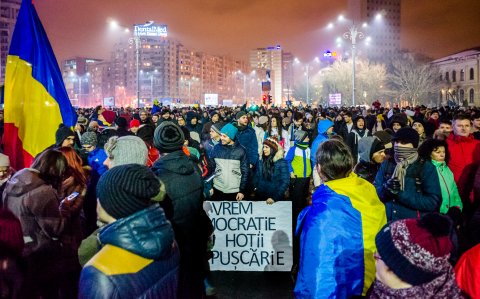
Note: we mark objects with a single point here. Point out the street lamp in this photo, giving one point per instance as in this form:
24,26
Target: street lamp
352,34
137,42
307,74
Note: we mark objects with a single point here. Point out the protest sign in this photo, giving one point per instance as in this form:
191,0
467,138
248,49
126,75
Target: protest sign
251,236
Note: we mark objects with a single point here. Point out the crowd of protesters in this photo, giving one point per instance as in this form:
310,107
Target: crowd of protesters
115,208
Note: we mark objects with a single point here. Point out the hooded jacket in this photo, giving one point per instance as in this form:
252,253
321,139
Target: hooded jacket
229,163
337,239
36,205
366,168
276,187
183,203
139,259
248,139
322,129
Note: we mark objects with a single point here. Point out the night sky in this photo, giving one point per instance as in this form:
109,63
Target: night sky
80,28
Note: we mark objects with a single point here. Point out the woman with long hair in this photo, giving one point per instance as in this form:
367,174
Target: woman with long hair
272,176
33,195
275,130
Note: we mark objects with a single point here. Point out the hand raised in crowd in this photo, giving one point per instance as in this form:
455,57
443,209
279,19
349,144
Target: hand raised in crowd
240,196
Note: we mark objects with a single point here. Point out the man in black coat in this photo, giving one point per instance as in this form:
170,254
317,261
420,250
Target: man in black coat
183,206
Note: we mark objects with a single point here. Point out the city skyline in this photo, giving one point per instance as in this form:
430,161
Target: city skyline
234,28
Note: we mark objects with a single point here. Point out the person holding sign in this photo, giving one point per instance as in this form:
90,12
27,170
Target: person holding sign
272,177
337,232
229,163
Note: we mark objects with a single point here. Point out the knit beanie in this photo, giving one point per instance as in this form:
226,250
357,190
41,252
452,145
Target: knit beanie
4,160
240,114
272,144
134,123
126,150
229,130
121,122
89,138
146,132
385,137
217,127
213,113
168,137
377,146
11,234
407,135
191,115
63,132
300,135
416,250
127,189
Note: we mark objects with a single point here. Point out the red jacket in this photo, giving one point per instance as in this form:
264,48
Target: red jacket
464,160
467,272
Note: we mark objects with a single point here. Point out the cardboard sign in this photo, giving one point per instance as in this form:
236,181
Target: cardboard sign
251,236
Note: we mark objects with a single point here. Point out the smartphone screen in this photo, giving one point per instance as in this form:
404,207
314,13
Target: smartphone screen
72,196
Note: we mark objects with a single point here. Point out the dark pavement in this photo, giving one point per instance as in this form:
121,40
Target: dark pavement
252,285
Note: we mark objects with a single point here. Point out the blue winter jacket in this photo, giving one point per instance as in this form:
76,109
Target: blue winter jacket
409,203
139,259
276,187
322,128
248,139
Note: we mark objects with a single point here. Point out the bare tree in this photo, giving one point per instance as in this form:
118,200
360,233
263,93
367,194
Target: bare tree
412,80
370,79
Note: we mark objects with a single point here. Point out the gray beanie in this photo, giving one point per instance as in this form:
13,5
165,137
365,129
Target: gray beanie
89,138
126,150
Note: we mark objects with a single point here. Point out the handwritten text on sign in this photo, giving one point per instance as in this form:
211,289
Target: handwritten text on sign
251,236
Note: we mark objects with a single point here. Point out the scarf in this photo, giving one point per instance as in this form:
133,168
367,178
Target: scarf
404,157
442,287
302,145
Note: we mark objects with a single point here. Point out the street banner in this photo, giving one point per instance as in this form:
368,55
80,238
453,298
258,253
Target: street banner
251,236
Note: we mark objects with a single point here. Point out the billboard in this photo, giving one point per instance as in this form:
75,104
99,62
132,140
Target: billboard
211,99
228,103
150,29
109,102
335,98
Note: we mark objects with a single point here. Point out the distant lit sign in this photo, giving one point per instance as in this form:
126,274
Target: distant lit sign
329,54
266,86
211,99
109,102
150,29
335,98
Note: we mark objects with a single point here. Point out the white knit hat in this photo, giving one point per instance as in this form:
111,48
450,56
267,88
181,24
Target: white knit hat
4,161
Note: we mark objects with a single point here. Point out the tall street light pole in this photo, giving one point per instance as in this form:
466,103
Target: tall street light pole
352,34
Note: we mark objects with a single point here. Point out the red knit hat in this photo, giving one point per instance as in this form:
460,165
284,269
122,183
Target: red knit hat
11,235
134,123
416,250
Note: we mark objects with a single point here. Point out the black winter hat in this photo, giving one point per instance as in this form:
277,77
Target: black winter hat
63,132
121,122
212,113
168,137
127,189
191,115
146,132
407,135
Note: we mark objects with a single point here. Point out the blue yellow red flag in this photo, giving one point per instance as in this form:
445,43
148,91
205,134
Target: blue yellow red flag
36,101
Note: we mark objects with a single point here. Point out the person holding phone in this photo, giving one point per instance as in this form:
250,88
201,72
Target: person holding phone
32,194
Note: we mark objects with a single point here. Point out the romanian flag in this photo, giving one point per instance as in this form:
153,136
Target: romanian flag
36,100
337,239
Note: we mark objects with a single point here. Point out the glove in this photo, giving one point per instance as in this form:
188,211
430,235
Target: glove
454,213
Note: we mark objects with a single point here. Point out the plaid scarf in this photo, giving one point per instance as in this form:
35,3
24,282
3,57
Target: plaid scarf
404,156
